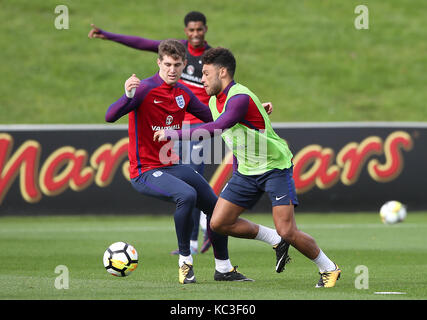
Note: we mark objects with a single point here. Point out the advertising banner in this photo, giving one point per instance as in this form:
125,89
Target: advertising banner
83,169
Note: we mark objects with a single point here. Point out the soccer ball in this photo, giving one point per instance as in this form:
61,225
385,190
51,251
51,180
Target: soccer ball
392,212
120,259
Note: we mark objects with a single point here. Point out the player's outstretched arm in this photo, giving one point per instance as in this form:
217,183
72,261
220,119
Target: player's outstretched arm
134,93
130,41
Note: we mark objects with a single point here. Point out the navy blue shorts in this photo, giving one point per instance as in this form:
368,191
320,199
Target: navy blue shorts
245,191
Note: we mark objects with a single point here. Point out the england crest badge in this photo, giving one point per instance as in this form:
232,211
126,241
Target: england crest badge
180,101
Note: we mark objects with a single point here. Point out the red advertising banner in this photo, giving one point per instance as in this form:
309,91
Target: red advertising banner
84,169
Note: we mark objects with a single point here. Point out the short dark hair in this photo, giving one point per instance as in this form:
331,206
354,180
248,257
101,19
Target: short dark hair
220,57
172,48
194,16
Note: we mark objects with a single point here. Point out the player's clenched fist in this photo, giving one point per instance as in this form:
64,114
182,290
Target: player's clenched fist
95,32
131,84
268,106
159,136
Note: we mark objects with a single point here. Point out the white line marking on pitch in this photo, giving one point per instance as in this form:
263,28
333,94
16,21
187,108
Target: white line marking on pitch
389,292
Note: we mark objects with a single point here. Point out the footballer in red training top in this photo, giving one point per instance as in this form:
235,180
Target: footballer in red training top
155,106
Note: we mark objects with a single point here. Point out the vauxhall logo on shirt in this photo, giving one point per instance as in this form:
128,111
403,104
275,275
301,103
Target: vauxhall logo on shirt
168,122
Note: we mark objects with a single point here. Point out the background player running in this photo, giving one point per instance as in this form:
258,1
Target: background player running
264,164
195,44
160,102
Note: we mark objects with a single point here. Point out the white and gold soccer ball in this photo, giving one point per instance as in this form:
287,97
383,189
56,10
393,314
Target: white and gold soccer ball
392,212
120,259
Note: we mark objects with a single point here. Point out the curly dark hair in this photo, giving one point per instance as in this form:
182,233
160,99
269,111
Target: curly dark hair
194,16
220,57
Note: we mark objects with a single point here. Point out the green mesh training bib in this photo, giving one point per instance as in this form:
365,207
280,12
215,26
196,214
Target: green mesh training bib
256,151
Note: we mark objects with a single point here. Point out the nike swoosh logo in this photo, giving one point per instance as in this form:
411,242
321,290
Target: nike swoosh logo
278,263
192,278
157,101
278,198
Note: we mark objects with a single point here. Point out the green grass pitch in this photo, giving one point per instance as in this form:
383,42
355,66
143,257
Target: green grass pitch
304,56
32,247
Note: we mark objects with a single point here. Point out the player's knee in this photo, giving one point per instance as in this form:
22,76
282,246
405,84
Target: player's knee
188,197
214,225
217,226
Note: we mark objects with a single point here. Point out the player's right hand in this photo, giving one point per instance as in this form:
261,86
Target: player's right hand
132,82
95,32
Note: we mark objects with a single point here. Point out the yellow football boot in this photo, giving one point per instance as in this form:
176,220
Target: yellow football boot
186,274
329,278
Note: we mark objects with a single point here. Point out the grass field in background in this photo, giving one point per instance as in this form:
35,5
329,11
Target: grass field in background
304,56
32,247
